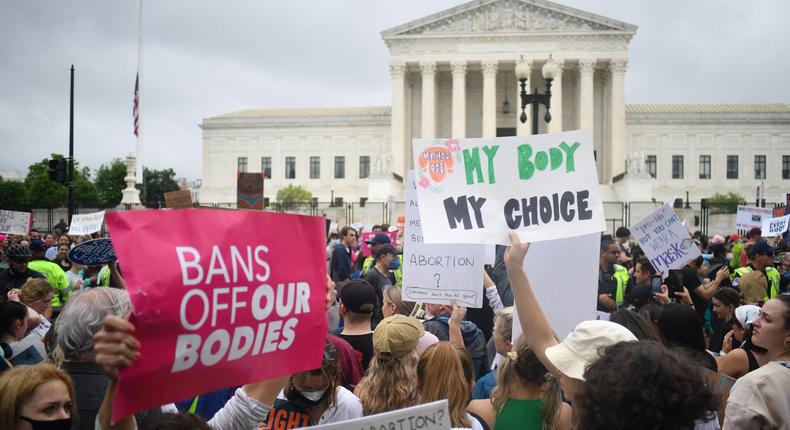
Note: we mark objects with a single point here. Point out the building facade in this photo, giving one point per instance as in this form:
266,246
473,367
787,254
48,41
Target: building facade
453,75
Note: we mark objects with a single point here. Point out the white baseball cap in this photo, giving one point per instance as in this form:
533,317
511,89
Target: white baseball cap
584,345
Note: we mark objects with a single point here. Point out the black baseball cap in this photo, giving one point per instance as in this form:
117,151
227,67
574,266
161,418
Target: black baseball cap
379,239
761,248
622,232
385,249
359,296
38,245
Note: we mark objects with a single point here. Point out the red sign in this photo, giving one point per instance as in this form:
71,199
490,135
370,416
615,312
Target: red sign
221,298
368,235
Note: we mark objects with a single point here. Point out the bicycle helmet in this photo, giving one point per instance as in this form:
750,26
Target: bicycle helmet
18,252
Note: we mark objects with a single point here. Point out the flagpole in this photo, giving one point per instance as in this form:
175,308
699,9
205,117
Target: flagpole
139,146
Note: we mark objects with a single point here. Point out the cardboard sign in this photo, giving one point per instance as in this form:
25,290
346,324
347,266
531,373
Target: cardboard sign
778,211
96,252
567,294
430,416
249,191
366,251
749,217
179,199
12,222
775,226
664,240
86,223
238,303
477,190
436,273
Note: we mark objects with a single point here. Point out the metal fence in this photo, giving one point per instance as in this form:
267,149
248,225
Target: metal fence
708,218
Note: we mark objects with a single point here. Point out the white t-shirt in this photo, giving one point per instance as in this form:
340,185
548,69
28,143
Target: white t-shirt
347,407
760,399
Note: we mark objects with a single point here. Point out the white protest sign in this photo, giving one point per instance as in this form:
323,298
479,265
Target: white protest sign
749,217
434,273
476,190
86,223
563,273
775,226
12,222
664,240
430,416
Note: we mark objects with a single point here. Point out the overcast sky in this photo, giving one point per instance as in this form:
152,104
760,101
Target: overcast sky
204,58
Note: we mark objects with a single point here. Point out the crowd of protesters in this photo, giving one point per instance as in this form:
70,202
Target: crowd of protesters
703,347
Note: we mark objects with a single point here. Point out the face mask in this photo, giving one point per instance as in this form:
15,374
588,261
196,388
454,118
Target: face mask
309,399
394,264
62,424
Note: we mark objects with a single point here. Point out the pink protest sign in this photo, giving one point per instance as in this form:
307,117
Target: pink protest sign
221,298
366,251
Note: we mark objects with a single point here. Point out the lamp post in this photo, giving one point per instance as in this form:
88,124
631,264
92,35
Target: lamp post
549,71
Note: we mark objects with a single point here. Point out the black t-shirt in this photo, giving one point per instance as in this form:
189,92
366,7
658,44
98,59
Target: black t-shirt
717,337
691,282
362,344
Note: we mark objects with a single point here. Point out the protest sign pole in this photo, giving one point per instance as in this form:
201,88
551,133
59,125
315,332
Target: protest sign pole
71,146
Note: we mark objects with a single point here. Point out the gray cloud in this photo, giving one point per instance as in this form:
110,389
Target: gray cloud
206,58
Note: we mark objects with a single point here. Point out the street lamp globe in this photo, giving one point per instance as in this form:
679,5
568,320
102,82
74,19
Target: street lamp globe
550,69
522,69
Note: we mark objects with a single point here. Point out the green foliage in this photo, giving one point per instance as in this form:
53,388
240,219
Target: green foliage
155,184
293,195
110,184
725,203
41,192
13,195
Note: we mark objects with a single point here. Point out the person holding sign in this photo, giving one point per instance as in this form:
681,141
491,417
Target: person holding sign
590,364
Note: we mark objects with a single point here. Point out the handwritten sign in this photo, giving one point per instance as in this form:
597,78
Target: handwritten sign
571,298
664,240
12,222
368,235
749,217
179,199
477,190
436,273
96,252
775,226
430,416
86,223
210,302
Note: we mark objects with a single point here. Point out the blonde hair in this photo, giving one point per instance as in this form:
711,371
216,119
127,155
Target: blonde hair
394,295
504,323
522,367
445,372
18,385
35,289
389,384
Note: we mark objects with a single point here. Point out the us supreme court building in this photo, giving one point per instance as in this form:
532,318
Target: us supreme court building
453,75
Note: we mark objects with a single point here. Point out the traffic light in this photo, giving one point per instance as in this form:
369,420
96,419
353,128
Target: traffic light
57,170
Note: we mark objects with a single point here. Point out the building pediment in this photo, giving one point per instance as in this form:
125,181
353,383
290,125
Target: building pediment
492,17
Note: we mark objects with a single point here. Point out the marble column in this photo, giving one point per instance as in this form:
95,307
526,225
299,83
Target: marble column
523,129
617,150
489,98
401,152
459,99
555,126
428,70
586,104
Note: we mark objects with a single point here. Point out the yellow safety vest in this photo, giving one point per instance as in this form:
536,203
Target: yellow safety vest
57,278
771,273
621,275
368,263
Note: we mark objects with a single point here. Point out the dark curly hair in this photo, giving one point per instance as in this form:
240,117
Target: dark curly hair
642,385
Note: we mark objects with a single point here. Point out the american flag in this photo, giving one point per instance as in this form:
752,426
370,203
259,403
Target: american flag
136,108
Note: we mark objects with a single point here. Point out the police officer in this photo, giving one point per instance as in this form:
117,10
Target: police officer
761,258
17,272
613,278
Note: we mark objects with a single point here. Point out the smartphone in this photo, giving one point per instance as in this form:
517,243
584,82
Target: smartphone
675,282
655,283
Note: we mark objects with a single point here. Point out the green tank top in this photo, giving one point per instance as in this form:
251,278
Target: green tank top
521,414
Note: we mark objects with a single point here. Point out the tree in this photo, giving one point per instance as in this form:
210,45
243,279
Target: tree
292,195
13,195
725,203
41,192
110,183
155,184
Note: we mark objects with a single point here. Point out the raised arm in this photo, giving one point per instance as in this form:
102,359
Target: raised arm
536,328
